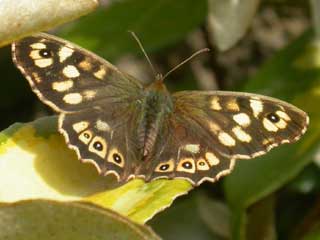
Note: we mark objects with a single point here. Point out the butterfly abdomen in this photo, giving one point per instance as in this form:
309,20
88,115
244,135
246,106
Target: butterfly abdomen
155,109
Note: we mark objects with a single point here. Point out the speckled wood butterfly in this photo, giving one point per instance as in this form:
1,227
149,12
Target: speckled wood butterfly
130,130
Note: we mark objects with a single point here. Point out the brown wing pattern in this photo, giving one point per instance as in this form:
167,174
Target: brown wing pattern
209,130
101,108
69,78
105,138
97,103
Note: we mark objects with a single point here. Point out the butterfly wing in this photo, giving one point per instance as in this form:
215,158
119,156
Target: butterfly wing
69,78
98,104
105,138
101,107
209,130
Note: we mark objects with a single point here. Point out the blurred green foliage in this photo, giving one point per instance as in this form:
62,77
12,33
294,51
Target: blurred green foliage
277,194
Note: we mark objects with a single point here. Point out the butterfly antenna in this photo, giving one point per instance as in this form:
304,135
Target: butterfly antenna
144,52
186,60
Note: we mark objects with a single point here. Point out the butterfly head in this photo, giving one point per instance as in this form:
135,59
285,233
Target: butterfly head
158,84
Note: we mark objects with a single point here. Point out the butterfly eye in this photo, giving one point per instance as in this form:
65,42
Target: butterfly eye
273,117
45,53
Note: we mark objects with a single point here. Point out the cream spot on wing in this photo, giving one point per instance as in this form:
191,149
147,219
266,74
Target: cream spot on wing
202,165
186,165
241,135
116,157
165,166
98,146
62,86
269,125
215,105
102,126
64,53
85,65
193,148
256,106
72,98
34,54
42,63
232,105
215,128
283,115
268,141
226,139
100,73
70,71
36,77
212,159
85,137
38,46
281,124
80,126
242,119
89,94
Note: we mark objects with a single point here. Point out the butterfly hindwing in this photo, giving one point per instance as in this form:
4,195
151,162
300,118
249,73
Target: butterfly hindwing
105,138
69,78
210,130
185,151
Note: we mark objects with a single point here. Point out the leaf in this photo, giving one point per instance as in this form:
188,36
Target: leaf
261,220
39,219
36,163
157,23
216,215
312,235
23,17
140,201
183,221
229,20
284,77
315,9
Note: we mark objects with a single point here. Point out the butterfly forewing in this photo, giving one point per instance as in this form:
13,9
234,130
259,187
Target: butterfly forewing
242,125
69,78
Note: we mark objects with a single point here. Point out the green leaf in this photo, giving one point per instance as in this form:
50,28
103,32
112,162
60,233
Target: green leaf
312,235
38,219
183,221
157,23
20,18
286,77
216,215
36,163
140,201
261,220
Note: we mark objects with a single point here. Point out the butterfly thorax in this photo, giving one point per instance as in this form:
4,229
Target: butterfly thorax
157,107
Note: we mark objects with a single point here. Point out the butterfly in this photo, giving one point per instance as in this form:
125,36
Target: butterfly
130,130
